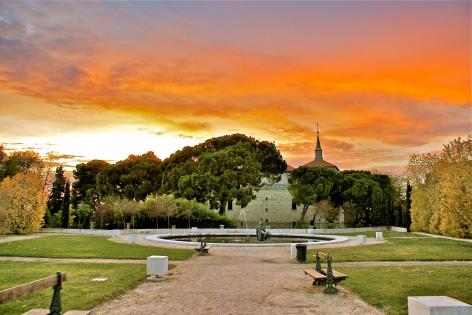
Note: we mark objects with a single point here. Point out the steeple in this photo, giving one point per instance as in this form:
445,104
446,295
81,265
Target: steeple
318,151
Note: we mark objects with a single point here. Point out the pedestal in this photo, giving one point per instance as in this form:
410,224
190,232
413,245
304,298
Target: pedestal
157,265
379,235
437,305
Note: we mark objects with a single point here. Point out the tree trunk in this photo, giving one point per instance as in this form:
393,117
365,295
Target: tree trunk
222,207
304,210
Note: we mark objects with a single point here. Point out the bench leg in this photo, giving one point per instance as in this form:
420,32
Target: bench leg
330,290
319,283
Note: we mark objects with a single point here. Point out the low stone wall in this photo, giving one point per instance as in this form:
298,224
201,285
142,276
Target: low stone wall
114,233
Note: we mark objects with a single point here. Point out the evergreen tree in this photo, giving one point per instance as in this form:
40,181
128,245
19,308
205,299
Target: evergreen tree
408,206
56,197
65,206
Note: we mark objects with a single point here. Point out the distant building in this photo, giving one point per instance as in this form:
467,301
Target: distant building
274,203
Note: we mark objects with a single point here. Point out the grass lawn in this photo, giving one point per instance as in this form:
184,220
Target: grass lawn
73,246
400,249
386,234
388,287
78,292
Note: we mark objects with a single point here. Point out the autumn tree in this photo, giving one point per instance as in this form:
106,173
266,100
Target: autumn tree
22,203
442,190
22,162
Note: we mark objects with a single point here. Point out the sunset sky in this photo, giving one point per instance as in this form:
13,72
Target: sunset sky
108,79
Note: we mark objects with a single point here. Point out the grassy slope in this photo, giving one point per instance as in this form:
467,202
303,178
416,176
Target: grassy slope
400,249
389,287
78,291
71,246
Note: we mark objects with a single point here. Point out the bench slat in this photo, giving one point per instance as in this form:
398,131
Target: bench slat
314,274
22,289
336,274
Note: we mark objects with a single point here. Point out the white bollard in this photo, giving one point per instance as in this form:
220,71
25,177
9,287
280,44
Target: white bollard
293,250
194,229
379,235
362,239
437,305
222,227
157,265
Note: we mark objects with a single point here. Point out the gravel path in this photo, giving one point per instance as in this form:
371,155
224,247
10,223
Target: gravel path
235,281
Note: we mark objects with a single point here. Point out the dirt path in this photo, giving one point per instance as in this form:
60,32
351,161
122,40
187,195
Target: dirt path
235,281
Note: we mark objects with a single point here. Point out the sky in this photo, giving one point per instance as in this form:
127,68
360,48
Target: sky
103,80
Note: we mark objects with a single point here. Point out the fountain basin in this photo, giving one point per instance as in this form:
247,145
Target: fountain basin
239,239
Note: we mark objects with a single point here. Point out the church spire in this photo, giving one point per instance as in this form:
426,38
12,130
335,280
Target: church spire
318,150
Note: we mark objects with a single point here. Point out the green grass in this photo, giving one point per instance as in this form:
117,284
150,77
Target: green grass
388,287
401,249
71,246
386,234
78,292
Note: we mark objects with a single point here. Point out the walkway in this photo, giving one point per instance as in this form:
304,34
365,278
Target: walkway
13,238
235,281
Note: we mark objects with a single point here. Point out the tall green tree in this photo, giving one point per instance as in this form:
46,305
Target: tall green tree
56,196
223,175
181,163
65,206
408,205
85,180
309,185
133,178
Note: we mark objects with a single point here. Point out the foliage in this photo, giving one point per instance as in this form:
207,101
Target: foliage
310,185
78,293
84,186
65,206
221,176
83,213
133,178
442,190
22,203
56,196
221,169
75,246
19,162
158,207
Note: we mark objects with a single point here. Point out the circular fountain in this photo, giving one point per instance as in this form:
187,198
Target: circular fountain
246,239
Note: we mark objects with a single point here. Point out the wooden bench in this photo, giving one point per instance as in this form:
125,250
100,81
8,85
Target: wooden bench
55,281
325,276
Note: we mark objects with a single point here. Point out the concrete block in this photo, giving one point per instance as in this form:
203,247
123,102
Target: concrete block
293,250
379,235
157,265
362,239
437,305
194,229
222,227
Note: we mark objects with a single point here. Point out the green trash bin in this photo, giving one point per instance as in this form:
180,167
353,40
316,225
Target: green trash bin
301,253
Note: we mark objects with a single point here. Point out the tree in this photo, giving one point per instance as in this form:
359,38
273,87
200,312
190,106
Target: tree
408,206
65,206
442,190
56,196
133,178
22,162
221,176
158,207
84,186
309,185
22,203
182,162
83,213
